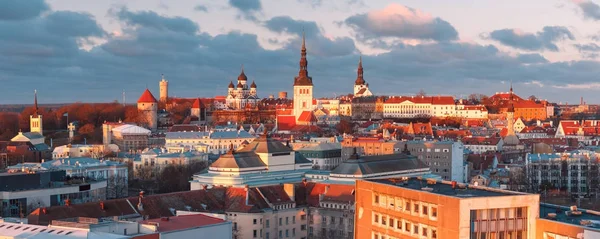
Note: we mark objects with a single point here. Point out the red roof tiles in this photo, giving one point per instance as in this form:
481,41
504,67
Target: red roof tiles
307,116
147,97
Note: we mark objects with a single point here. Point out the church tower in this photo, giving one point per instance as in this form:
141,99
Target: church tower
511,138
361,88
164,90
303,85
35,120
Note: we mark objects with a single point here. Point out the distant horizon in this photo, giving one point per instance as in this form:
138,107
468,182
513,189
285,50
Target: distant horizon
550,49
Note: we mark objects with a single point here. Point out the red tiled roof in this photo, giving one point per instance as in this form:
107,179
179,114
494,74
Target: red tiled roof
147,97
306,128
275,194
481,140
436,100
286,122
481,161
198,104
589,127
335,192
184,222
307,116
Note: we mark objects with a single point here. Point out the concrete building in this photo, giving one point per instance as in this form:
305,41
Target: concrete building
366,146
324,156
481,144
444,158
24,190
114,173
414,208
573,172
148,110
127,137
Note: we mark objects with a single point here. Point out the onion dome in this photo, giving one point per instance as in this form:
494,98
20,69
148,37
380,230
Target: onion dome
231,86
253,85
242,76
240,85
147,97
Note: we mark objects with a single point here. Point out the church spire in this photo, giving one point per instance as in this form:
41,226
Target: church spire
35,104
303,78
303,61
359,73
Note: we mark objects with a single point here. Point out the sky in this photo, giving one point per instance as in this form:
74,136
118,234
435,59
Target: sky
93,51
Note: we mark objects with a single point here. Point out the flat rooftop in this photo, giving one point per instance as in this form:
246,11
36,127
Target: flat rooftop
590,219
445,188
183,222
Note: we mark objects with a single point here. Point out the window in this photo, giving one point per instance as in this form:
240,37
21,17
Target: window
287,220
293,219
254,221
254,234
383,220
280,234
415,229
267,235
407,206
433,233
293,232
377,199
376,218
267,223
424,232
399,225
434,212
407,226
519,212
425,210
416,208
280,221
287,233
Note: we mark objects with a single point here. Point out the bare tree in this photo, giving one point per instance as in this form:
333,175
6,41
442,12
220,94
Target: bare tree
34,204
421,93
117,187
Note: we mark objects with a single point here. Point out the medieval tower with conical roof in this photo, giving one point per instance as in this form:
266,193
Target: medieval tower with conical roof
303,85
148,110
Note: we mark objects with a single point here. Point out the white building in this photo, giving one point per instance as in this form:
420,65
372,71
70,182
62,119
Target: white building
480,144
471,111
127,136
444,158
242,96
215,141
264,161
158,158
324,156
83,150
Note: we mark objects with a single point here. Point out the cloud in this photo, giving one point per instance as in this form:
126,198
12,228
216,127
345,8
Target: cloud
21,9
152,19
531,58
248,8
590,9
86,24
201,8
589,50
199,64
319,44
400,21
543,40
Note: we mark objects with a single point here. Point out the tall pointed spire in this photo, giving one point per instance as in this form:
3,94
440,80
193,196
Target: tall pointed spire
35,104
303,78
359,77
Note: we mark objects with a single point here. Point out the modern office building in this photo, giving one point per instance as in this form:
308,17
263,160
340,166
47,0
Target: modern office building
444,158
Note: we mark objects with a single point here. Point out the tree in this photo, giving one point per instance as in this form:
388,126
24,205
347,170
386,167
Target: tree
117,186
344,127
421,93
87,130
532,98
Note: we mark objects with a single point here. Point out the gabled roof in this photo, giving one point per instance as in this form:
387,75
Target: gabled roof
238,160
366,165
184,222
286,122
147,97
265,144
198,104
307,116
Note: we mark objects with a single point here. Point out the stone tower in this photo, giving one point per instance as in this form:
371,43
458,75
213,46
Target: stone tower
303,85
148,110
164,89
35,120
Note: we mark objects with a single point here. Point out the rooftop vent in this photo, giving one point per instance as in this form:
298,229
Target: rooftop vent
551,215
427,189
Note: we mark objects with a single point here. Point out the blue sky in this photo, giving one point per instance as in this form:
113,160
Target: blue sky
90,51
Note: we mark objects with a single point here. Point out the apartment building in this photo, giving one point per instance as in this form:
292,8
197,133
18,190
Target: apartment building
574,172
366,146
416,208
444,158
481,144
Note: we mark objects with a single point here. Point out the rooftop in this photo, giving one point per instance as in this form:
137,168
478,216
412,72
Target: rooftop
445,188
183,222
589,219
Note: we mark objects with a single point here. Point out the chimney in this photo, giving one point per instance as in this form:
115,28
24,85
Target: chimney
102,205
68,202
453,184
44,210
140,206
247,189
289,188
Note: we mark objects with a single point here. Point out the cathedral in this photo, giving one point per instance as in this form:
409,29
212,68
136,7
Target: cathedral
241,96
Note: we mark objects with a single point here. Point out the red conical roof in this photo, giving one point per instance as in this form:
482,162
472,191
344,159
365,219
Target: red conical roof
197,104
147,97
